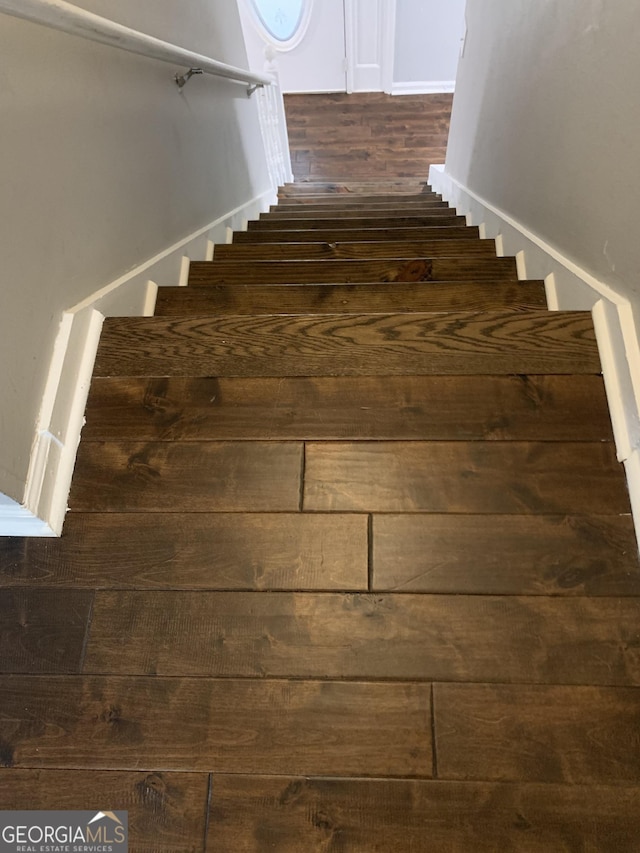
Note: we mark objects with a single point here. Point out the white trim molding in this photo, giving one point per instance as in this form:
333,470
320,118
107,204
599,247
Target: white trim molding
570,287
423,87
61,415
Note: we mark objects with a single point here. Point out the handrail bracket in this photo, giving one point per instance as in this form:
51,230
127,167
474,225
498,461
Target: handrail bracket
183,79
252,89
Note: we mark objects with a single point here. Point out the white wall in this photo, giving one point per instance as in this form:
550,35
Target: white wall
104,164
427,45
543,155
546,125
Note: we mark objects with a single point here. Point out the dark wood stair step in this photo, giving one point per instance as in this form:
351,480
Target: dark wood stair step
203,273
346,199
344,298
341,188
541,408
442,218
333,235
433,209
364,250
494,342
293,210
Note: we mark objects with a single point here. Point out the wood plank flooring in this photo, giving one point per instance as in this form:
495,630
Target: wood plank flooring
349,563
367,135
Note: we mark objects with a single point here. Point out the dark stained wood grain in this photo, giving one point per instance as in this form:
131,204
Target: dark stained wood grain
578,735
323,136
381,636
257,299
167,811
43,630
292,211
191,551
228,726
362,249
393,186
293,814
491,342
129,476
346,199
443,218
545,408
395,269
465,477
506,555
322,235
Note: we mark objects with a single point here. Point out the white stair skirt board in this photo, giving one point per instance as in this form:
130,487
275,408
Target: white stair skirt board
570,287
423,87
62,411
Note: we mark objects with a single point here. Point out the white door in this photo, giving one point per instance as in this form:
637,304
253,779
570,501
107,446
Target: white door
304,38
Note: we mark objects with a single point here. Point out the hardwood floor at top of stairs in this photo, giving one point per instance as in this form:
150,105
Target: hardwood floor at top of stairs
349,565
366,134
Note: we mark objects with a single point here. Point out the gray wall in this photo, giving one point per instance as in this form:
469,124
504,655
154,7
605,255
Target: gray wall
546,125
103,165
427,43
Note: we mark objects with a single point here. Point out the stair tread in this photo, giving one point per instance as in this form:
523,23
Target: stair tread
544,408
495,342
347,208
453,232
373,297
351,219
363,250
346,198
346,271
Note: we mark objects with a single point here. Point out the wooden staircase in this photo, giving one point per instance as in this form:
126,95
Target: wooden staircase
349,562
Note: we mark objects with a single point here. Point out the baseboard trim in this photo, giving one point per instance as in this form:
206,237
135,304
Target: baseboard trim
423,87
61,415
570,287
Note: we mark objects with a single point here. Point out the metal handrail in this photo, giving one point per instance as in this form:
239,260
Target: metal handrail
64,16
